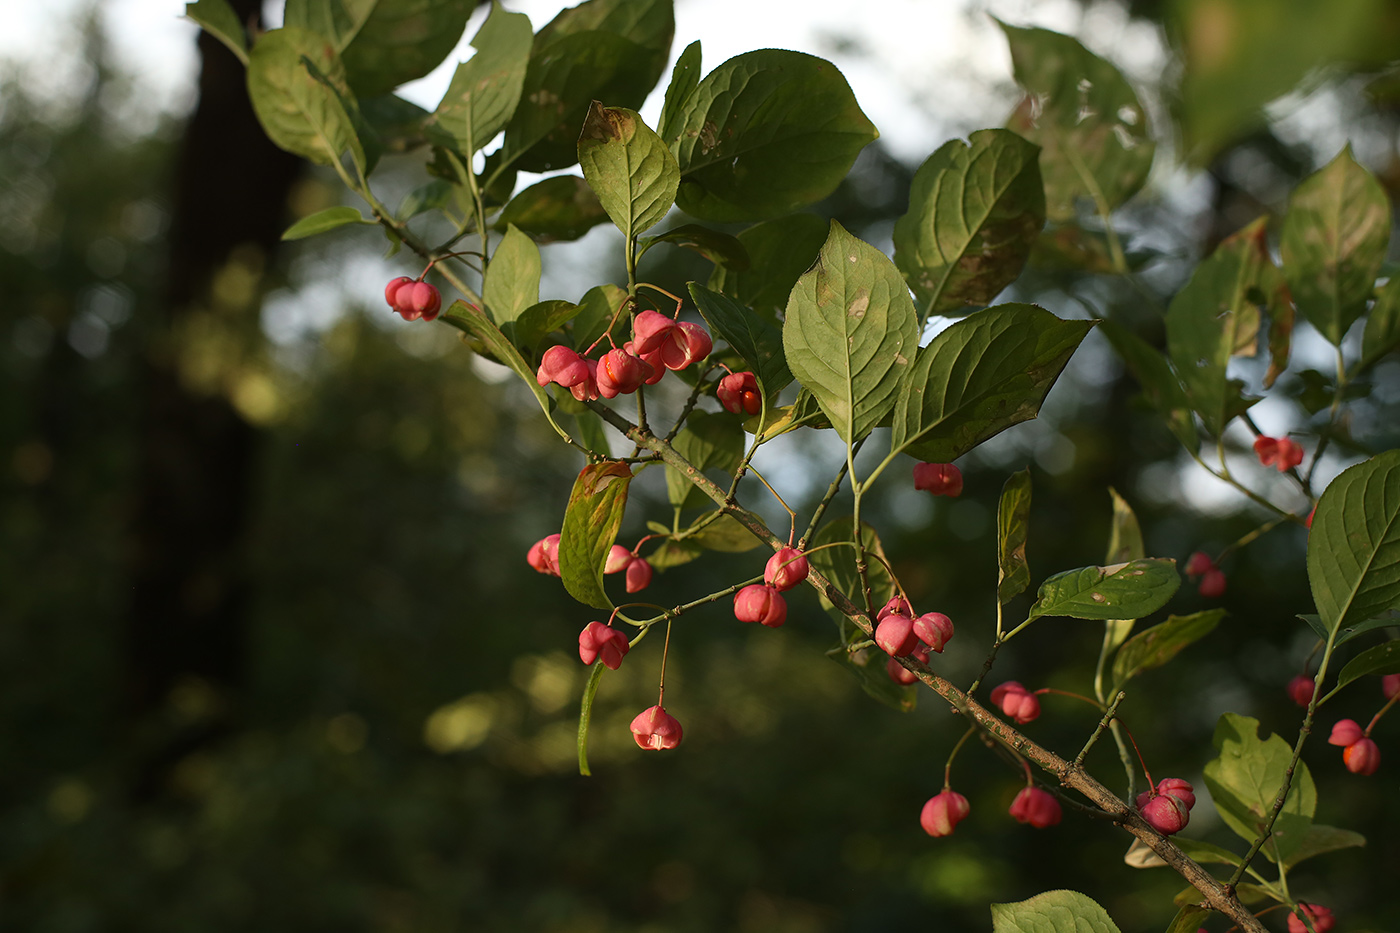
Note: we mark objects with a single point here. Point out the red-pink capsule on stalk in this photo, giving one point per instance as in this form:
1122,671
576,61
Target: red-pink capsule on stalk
638,575
1346,732
902,675
1321,917
600,641
654,728
588,388
684,345
392,289
895,604
895,634
1212,585
786,568
544,555
621,373
1166,814
943,812
941,479
1198,563
649,329
1016,701
934,629
1362,757
1036,808
562,365
759,602
1300,689
618,559
738,393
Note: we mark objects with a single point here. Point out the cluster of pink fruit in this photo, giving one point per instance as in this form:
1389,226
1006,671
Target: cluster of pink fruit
543,556
1360,753
1032,806
1167,808
1212,585
899,634
763,602
1280,452
1321,917
658,343
413,299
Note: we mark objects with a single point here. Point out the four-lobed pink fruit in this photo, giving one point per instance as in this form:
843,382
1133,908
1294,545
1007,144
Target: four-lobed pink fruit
761,603
1300,689
413,299
1280,452
544,555
941,479
787,568
654,728
621,373
600,641
1016,701
1359,753
738,393
934,629
1321,917
1168,809
895,634
1036,807
943,812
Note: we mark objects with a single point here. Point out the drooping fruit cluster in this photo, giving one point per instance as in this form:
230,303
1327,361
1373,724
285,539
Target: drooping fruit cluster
763,602
637,570
1168,807
943,812
1016,701
412,299
1359,753
1212,585
601,641
1036,807
658,344
941,479
1280,452
900,634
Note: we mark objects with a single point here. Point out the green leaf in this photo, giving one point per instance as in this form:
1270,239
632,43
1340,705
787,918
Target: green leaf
850,333
401,40
779,252
1069,247
430,196
596,309
558,208
486,89
538,320
472,320
1354,544
1124,544
585,715
1085,117
719,248
869,666
838,564
1212,318
513,277
336,20
218,19
758,342
1013,527
1382,334
1053,912
684,77
1322,839
628,167
990,370
1333,243
763,134
591,520
1188,919
722,534
1159,382
612,50
674,553
321,221
975,210
1160,643
299,112
1382,659
400,125
1120,591
1245,780
708,441
591,433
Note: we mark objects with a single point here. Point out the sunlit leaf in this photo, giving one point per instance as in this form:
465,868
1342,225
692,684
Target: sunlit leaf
975,210
1245,780
990,370
591,521
1053,912
513,277
1333,243
684,77
628,167
763,134
218,19
298,111
1085,117
485,89
1124,544
1382,659
329,219
1354,544
1120,591
850,333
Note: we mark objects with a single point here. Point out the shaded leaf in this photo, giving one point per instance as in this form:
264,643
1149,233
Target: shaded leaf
1013,527
708,441
1085,117
719,248
1323,839
299,112
558,208
758,342
400,125
1157,645
591,433
975,209
217,18
1333,243
596,309
1354,544
1159,382
763,134
591,521
628,167
838,564
1053,912
401,40
538,320
1249,895
1140,854
585,716
779,252
974,380
432,195
1245,779
1124,544
321,221
1188,919
723,534
674,553
513,277
870,667
850,333
1382,659
1120,591
486,88
684,77
1382,333
1211,318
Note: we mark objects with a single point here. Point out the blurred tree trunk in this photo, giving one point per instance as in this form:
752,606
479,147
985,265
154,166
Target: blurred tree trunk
195,451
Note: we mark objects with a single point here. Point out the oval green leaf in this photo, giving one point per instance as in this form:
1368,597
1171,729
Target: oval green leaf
749,334
719,248
513,277
321,221
486,89
1245,779
591,521
1121,591
779,252
628,167
1382,659
708,441
850,333
558,208
1053,912
1160,643
401,40
218,19
1159,382
1354,544
975,210
297,85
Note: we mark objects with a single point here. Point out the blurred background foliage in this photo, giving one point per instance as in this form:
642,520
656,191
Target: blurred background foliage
270,655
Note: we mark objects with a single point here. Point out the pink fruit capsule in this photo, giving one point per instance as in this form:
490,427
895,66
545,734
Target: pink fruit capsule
654,728
786,568
934,629
1036,808
599,641
1016,701
895,634
943,812
759,602
941,479
638,575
